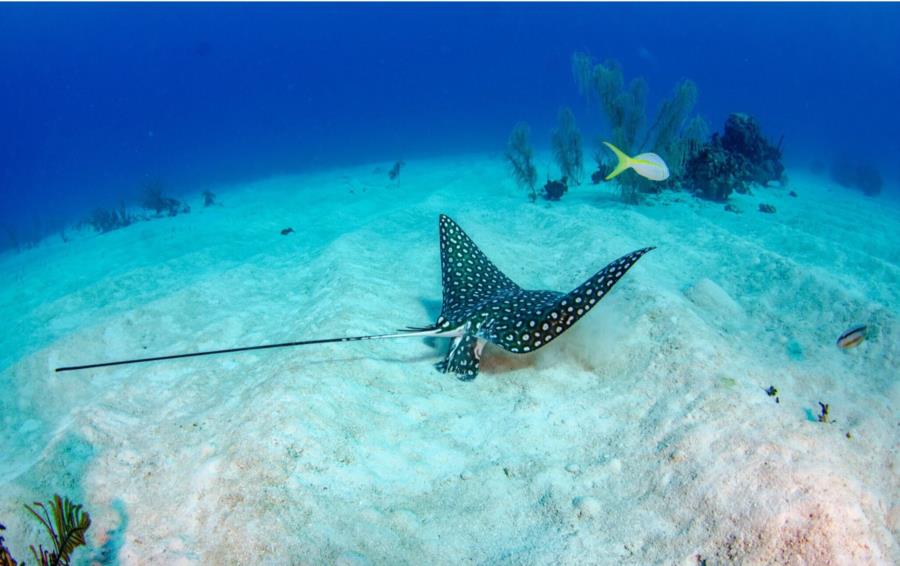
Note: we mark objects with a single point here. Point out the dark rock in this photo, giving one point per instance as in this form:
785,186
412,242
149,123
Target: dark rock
287,231
596,177
767,208
209,198
554,190
731,208
792,194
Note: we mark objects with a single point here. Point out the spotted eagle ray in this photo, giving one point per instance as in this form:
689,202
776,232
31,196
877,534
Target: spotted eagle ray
480,304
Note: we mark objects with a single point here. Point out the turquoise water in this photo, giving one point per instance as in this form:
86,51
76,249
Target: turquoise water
641,435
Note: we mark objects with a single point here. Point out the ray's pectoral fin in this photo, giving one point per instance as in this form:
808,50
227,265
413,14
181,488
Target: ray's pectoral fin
464,357
562,311
574,305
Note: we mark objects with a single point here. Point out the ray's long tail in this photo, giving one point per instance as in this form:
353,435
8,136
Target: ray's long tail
408,333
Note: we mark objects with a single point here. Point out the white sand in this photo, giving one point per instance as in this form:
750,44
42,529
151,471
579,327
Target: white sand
643,436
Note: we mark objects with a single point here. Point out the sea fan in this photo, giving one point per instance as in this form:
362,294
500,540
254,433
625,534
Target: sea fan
67,529
521,158
567,147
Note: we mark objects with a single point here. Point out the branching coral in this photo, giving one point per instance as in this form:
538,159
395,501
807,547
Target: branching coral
567,147
521,158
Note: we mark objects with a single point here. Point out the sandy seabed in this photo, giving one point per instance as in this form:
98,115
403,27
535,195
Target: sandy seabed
642,436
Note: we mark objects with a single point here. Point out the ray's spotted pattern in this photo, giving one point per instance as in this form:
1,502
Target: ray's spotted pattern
481,304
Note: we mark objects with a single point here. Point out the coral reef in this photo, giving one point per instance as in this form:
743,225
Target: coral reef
209,198
567,147
520,156
732,161
743,136
766,208
712,167
554,190
673,132
860,176
713,173
105,220
152,198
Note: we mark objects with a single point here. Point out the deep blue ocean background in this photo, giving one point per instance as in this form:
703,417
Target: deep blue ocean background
97,99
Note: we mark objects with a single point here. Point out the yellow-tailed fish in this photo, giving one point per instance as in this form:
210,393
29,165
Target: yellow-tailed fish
853,337
647,165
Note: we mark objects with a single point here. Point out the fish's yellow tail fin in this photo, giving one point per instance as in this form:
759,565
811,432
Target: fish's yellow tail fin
624,161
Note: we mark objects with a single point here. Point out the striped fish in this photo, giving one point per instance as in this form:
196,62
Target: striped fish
853,337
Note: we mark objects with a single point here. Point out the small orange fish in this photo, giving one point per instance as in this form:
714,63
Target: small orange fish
853,337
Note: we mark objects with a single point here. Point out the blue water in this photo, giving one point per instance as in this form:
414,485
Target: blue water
643,434
96,99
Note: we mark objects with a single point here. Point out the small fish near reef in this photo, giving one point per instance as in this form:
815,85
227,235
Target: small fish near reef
480,305
853,337
287,231
647,165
